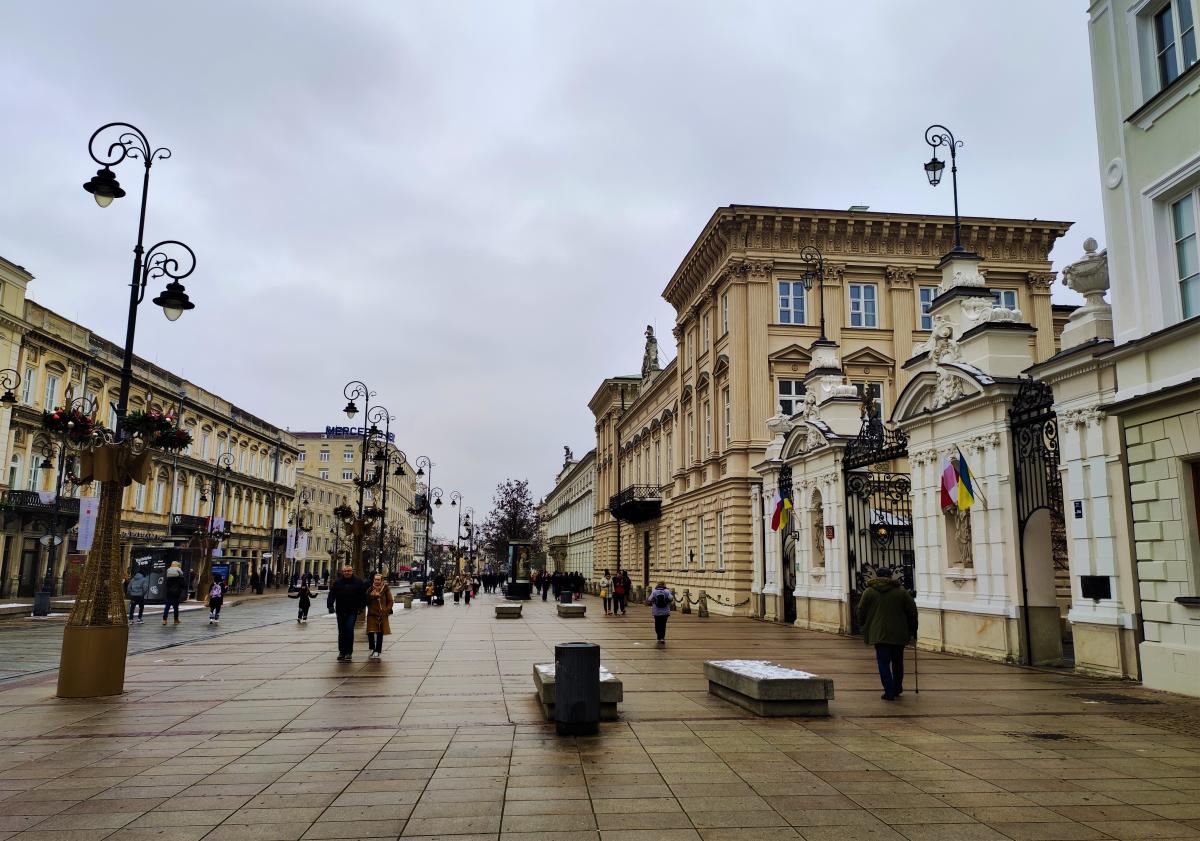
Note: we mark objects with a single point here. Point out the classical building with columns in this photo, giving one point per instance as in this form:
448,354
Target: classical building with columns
678,492
57,360
568,514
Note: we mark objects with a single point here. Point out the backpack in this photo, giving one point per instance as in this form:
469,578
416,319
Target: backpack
215,592
618,587
662,599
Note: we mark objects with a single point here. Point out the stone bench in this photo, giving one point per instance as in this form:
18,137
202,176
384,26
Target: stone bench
508,610
568,611
612,691
767,689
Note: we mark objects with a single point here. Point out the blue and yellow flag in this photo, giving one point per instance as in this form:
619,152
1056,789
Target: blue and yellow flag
966,490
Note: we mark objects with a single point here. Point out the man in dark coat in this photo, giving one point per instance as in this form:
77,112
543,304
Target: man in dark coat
347,596
887,615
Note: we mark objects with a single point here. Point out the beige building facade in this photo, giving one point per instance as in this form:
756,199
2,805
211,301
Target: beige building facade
568,515
58,360
677,448
333,459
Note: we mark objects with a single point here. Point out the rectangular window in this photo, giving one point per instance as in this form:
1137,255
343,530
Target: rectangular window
301,456
683,534
159,487
324,455
347,475
791,302
708,432
51,394
862,305
204,439
1006,298
139,498
323,474
700,536
876,392
707,337
348,455
789,395
1187,252
1174,41
691,445
658,462
727,415
725,313
720,540
927,294
30,382
690,355
670,453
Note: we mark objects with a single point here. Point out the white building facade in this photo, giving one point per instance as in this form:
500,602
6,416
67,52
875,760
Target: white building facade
570,511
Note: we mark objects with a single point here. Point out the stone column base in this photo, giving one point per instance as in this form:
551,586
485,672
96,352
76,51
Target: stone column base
1105,650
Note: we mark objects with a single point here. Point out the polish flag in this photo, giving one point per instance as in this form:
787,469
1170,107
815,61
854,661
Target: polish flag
949,485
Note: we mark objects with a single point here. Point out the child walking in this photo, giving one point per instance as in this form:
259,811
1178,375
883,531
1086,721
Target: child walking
216,595
305,598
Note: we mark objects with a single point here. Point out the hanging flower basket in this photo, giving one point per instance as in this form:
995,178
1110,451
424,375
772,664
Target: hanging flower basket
343,512
72,424
158,430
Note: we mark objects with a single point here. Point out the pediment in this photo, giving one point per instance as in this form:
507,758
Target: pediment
791,353
939,388
803,438
867,356
721,365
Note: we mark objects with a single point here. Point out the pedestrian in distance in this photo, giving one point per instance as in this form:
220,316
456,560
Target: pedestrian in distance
137,588
347,598
660,600
468,590
379,608
174,589
216,596
618,594
628,583
304,597
887,615
254,580
606,597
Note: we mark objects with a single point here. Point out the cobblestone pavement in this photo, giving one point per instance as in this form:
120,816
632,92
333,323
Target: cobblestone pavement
261,734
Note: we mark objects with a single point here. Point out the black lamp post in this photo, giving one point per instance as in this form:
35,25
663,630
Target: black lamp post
455,499
433,497
300,523
170,259
382,458
213,535
9,379
938,135
51,540
814,275
468,515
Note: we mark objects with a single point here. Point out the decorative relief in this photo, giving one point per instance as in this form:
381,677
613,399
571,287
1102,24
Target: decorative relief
984,311
919,458
982,443
941,344
1091,416
947,389
900,277
834,272
760,268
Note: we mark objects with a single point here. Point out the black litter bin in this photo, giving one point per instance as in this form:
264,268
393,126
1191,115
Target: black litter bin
566,597
576,688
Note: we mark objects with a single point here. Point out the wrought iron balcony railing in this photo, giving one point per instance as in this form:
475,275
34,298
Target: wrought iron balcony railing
636,504
29,502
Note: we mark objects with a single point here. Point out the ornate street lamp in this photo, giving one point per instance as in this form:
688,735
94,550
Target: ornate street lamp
814,275
938,135
9,379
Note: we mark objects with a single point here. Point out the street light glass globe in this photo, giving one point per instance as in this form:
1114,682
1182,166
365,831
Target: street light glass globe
172,313
103,200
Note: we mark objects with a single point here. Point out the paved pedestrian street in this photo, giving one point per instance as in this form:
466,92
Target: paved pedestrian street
260,734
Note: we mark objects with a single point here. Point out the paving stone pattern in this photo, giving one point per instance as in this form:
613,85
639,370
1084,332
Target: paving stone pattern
260,735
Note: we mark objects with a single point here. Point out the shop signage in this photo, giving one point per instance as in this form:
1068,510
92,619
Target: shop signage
353,432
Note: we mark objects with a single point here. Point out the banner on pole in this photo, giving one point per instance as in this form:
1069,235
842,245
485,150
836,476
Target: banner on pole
291,543
89,507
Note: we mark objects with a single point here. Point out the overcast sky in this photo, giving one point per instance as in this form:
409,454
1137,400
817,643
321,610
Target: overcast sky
474,207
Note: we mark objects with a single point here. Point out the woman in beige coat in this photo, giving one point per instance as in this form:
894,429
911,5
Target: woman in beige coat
379,608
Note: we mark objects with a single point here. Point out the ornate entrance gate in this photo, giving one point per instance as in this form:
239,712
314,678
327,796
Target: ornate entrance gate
879,530
1037,479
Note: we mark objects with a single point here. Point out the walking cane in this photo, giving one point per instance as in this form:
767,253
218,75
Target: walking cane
916,668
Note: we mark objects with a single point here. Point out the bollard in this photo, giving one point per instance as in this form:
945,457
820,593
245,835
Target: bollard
702,605
576,688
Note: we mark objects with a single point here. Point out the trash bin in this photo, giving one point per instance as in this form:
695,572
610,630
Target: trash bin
566,597
576,688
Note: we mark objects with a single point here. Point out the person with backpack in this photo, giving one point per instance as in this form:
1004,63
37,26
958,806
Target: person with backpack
619,593
887,615
660,601
304,596
216,595
174,587
137,588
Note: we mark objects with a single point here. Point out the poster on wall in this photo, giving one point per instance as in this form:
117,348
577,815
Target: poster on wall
154,562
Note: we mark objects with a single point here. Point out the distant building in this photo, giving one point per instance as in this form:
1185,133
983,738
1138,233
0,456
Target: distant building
569,512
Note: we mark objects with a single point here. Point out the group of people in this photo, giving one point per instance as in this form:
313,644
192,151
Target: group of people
614,592
349,596
175,588
546,582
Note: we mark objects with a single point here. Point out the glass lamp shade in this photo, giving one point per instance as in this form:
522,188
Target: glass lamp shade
399,470
104,187
380,457
933,171
438,503
351,410
420,471
8,399
174,301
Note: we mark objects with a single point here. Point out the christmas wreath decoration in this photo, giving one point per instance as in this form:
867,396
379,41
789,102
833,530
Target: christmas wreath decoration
72,424
158,430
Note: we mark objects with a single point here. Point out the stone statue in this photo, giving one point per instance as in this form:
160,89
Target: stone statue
650,356
568,456
948,389
810,411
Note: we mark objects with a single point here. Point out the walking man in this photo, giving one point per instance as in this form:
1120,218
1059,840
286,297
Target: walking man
887,615
660,600
347,597
174,586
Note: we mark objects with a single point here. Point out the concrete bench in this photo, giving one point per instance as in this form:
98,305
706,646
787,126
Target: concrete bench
568,611
612,691
508,610
767,689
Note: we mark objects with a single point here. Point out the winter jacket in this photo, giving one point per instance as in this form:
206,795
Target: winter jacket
174,584
138,586
304,595
652,600
348,594
887,613
606,587
379,607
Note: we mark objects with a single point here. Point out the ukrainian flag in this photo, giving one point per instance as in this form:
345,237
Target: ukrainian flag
966,490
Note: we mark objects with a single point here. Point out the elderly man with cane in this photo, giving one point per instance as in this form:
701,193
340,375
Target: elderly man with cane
887,615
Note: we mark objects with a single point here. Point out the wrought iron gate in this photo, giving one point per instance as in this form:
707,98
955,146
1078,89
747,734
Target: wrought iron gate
1037,480
879,531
